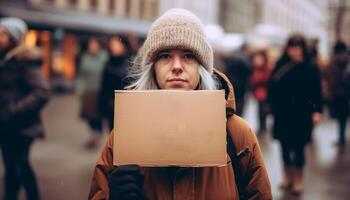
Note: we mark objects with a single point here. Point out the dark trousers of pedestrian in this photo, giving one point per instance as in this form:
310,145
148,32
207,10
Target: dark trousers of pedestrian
293,155
340,106
18,171
110,120
262,116
96,125
342,130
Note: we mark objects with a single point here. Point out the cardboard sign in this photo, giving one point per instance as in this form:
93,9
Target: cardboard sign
170,128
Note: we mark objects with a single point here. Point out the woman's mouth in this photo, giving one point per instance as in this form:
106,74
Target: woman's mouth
177,80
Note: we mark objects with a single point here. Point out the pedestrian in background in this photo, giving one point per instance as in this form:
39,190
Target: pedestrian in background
295,98
177,55
313,51
258,81
238,70
23,93
88,85
339,89
114,74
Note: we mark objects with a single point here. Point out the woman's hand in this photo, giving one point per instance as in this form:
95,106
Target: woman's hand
126,182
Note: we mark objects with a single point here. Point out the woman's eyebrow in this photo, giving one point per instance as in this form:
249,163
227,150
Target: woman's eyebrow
164,51
188,51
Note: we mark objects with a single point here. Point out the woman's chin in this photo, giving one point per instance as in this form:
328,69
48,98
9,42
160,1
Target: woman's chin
177,87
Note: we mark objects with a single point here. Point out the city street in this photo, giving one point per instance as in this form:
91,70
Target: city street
64,167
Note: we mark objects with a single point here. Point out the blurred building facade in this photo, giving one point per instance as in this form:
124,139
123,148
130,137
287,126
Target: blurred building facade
339,21
308,17
136,9
238,16
273,20
58,26
207,11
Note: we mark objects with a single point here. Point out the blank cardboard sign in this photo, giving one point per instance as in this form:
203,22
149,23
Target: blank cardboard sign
170,128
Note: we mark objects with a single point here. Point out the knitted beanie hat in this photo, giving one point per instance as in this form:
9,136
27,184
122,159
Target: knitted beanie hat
178,28
15,27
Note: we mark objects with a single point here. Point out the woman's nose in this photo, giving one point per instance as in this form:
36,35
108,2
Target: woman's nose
177,64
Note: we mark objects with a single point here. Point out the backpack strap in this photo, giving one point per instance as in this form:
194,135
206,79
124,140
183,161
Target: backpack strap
236,166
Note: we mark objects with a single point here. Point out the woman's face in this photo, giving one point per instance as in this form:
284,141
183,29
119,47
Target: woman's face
177,69
4,39
93,46
116,46
295,53
258,61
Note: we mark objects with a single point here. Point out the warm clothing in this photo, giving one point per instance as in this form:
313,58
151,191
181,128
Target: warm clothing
258,82
113,76
293,155
23,91
129,174
178,28
339,91
197,183
337,72
342,130
263,111
95,125
238,70
294,94
89,83
339,88
15,151
90,72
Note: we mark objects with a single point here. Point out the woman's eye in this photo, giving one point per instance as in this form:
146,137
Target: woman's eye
190,56
163,56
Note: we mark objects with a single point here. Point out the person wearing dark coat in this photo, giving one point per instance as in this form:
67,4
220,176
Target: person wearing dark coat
339,89
238,70
295,99
23,93
114,74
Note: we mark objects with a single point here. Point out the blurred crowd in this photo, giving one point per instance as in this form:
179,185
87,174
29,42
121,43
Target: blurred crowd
294,88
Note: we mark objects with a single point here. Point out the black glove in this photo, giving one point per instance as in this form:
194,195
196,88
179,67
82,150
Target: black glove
126,183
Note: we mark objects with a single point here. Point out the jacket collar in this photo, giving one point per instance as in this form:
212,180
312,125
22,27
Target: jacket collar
229,92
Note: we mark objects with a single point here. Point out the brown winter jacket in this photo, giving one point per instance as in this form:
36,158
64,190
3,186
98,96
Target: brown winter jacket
212,183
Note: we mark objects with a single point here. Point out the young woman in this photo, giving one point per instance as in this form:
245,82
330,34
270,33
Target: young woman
23,93
258,82
177,55
88,86
295,99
